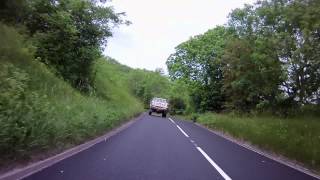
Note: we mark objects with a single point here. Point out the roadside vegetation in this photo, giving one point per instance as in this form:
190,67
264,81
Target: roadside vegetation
258,77
57,89
41,112
296,138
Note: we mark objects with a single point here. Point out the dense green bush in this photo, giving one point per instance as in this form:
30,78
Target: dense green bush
177,105
23,114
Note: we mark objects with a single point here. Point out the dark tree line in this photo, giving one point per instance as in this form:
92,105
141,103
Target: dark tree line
266,57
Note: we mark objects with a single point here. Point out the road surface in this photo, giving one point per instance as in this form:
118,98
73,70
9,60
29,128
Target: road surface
155,148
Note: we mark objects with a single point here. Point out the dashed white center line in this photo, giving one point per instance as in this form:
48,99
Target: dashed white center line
222,173
171,120
184,133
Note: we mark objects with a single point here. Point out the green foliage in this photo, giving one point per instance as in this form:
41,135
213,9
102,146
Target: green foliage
13,11
197,62
147,84
68,34
179,98
41,112
287,32
251,76
177,105
23,115
113,77
265,59
267,63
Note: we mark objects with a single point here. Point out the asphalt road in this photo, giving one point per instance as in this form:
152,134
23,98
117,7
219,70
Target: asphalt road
155,148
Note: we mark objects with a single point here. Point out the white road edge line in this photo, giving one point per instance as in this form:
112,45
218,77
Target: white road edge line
222,173
248,147
171,120
184,133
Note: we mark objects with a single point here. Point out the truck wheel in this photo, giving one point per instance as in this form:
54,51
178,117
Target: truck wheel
164,115
150,113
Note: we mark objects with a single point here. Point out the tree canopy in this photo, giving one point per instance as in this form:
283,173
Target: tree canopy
198,63
68,35
266,55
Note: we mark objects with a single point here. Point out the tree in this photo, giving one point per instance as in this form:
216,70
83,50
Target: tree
197,62
148,84
266,56
69,34
252,74
13,11
293,26
300,44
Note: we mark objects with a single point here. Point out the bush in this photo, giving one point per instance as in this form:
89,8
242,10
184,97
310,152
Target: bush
177,105
23,115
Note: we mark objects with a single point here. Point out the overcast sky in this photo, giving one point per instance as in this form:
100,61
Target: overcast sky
158,26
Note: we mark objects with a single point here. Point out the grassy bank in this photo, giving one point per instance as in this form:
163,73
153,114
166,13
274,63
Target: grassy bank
296,138
40,112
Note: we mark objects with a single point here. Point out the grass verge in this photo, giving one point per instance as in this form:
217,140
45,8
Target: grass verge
296,138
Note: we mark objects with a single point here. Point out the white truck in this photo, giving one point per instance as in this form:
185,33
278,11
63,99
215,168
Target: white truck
159,105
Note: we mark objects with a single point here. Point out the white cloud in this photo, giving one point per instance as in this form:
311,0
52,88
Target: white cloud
160,25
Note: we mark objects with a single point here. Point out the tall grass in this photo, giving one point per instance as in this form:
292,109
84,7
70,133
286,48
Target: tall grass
297,138
40,111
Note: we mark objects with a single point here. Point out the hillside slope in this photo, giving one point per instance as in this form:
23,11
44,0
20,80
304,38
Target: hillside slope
40,112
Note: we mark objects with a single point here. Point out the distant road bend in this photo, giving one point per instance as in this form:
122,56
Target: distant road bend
155,148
